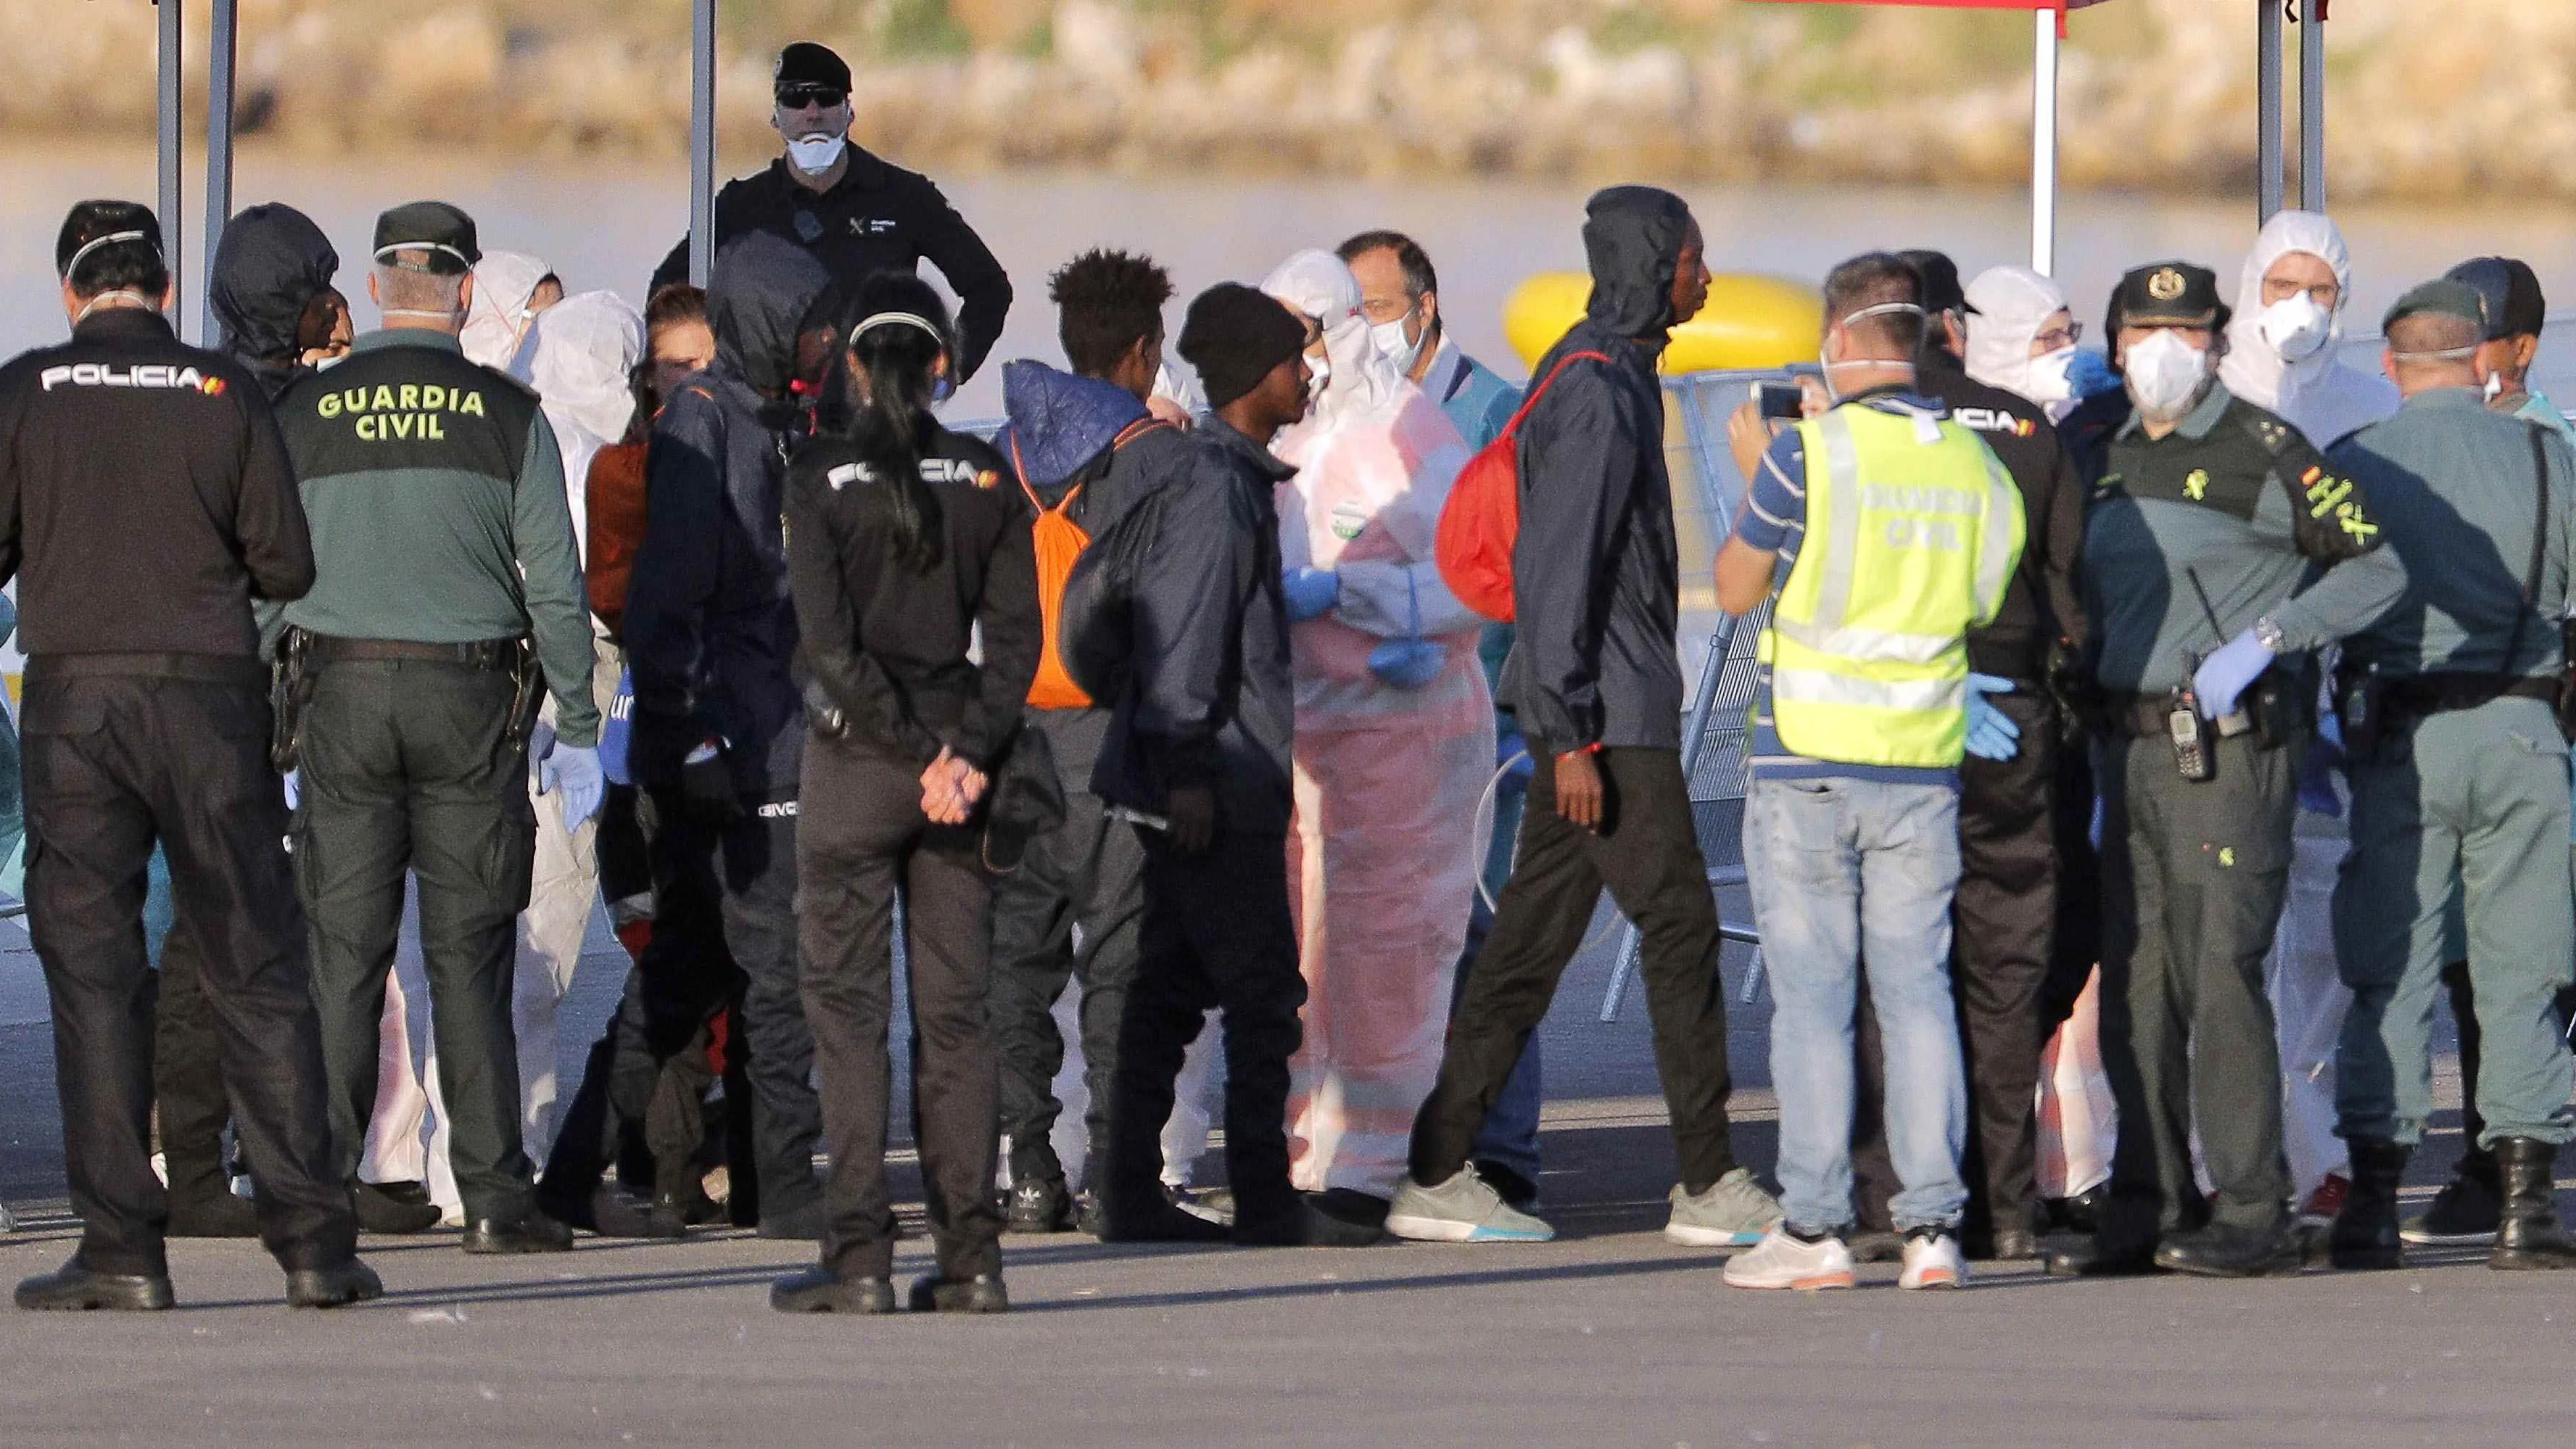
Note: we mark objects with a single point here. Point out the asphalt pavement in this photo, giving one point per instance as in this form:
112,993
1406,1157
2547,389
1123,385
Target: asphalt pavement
1608,1336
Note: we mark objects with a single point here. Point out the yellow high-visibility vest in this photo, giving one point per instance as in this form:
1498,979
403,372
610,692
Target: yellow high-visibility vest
1913,530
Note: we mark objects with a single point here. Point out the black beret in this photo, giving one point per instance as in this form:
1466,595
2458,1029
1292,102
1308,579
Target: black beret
807,64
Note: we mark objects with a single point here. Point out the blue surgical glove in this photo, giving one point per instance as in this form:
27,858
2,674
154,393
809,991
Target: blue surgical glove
573,769
617,731
1311,592
2224,676
294,788
2090,372
1991,733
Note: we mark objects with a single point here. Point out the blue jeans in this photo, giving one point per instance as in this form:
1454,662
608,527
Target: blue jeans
1842,871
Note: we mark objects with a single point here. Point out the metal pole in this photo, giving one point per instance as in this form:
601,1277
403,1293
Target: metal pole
702,140
2312,105
219,148
2267,106
168,206
2043,143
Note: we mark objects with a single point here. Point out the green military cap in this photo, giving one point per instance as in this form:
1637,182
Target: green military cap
443,235
2168,294
2445,298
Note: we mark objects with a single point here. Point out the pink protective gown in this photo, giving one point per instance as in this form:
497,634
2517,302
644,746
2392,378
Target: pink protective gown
1383,857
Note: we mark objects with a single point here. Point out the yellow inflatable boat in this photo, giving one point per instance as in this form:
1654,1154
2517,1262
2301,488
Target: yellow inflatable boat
1749,322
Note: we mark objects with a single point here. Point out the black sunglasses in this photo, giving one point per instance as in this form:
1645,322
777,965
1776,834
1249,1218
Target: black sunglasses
798,98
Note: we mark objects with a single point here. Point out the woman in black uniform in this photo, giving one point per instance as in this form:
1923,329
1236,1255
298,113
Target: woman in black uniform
901,540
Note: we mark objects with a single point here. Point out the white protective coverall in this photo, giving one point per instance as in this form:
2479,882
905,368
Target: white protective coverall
2011,305
2327,400
581,355
1384,854
498,323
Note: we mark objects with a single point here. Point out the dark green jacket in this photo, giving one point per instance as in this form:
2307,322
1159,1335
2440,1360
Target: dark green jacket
437,505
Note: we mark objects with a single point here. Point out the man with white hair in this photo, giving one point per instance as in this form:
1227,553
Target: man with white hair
1394,740
448,585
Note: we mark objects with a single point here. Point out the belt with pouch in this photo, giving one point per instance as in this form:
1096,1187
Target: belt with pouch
474,654
2144,716
2427,694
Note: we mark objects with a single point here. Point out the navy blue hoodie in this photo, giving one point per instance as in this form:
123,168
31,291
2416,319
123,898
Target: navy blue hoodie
710,624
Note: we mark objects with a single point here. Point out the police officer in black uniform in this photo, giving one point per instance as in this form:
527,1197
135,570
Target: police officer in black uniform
857,214
448,583
144,502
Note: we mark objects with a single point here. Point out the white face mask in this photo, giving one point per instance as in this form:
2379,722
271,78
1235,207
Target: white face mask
2166,375
2046,381
2495,386
2295,327
815,155
1319,371
1395,347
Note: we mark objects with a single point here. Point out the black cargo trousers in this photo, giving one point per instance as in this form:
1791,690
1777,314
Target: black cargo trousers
2005,928
1088,872
865,841
122,751
1647,854
410,766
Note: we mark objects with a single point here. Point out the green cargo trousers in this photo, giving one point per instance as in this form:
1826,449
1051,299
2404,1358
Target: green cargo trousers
409,767
2462,819
2193,877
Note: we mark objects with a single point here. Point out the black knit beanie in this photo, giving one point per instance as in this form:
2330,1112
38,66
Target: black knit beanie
1234,335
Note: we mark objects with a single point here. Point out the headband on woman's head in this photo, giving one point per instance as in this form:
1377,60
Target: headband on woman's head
109,240
898,319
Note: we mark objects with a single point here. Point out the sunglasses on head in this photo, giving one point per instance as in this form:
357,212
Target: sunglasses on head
798,98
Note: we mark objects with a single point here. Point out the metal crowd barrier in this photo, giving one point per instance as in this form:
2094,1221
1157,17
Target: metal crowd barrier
1706,492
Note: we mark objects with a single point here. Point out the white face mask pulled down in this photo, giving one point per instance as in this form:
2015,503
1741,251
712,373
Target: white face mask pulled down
815,155
1393,346
2295,327
2166,375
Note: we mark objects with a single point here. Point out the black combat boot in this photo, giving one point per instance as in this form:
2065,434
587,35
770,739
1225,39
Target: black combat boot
78,1289
334,1287
821,1290
2365,1232
2529,1236
2222,1250
983,1293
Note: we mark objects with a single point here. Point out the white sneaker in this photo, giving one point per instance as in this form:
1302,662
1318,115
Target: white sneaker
1781,1261
1461,1210
1932,1260
1734,1213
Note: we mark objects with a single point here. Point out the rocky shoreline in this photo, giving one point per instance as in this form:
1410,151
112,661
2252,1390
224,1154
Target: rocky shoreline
2455,98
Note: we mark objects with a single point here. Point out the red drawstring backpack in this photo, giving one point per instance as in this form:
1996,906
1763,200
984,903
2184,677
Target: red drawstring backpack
1482,519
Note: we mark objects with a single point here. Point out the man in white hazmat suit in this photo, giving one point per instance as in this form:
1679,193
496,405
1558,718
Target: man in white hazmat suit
2283,353
511,290
1395,739
2022,338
